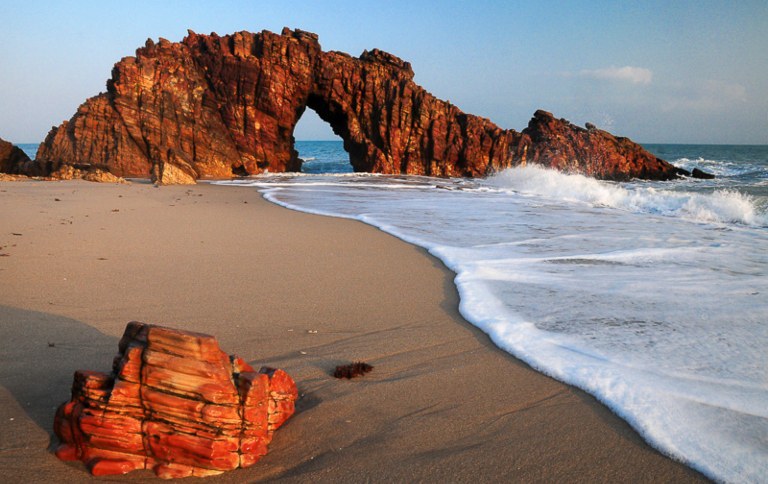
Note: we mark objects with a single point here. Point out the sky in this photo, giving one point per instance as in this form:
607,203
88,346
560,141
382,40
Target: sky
655,71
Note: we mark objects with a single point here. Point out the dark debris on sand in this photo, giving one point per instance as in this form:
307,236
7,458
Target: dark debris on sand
352,370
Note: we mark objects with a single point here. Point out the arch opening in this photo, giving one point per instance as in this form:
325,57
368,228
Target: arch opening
319,148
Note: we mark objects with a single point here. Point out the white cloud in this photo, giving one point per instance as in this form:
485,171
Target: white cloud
635,75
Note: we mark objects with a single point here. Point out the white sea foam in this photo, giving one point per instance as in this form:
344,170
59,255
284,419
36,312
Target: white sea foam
718,206
651,299
715,167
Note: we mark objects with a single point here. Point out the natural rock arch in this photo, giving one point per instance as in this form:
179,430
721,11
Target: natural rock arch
216,106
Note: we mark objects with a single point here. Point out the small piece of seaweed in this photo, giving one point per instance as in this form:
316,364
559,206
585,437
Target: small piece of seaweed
352,370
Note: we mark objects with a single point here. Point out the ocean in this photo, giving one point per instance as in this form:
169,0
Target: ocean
651,296
29,148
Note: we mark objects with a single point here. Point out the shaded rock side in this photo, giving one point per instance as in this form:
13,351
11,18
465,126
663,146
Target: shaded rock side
13,160
175,403
221,106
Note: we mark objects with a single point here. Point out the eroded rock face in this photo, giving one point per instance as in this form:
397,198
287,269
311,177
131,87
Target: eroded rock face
216,107
175,403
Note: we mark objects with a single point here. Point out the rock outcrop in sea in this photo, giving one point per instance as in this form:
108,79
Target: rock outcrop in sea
215,106
174,403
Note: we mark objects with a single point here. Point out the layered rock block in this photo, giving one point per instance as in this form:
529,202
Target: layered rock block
175,403
215,106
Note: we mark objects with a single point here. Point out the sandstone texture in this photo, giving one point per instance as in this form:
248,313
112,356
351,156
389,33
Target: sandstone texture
165,173
215,106
175,403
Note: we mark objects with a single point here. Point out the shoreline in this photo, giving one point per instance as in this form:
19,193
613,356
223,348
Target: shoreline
442,403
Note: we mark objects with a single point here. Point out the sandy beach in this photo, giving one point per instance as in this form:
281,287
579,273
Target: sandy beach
79,260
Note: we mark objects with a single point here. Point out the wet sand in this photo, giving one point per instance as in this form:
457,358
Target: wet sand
301,292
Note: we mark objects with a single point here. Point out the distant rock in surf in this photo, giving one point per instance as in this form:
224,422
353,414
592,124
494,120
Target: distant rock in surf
217,107
696,173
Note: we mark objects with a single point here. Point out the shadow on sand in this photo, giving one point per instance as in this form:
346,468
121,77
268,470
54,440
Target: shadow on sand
39,353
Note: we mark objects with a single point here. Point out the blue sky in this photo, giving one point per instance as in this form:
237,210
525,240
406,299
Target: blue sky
655,71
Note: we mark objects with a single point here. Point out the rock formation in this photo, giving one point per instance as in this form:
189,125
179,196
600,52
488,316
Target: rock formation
16,165
216,107
175,403
166,173
561,145
12,159
697,173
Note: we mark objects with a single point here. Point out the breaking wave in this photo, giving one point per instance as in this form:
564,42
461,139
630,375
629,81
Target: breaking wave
719,206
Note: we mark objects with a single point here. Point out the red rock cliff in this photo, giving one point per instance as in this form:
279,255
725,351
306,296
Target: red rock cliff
213,106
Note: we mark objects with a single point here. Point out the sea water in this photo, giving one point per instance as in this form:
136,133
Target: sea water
30,149
652,296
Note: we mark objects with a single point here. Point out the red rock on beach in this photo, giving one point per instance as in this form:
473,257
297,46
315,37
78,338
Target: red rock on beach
175,403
